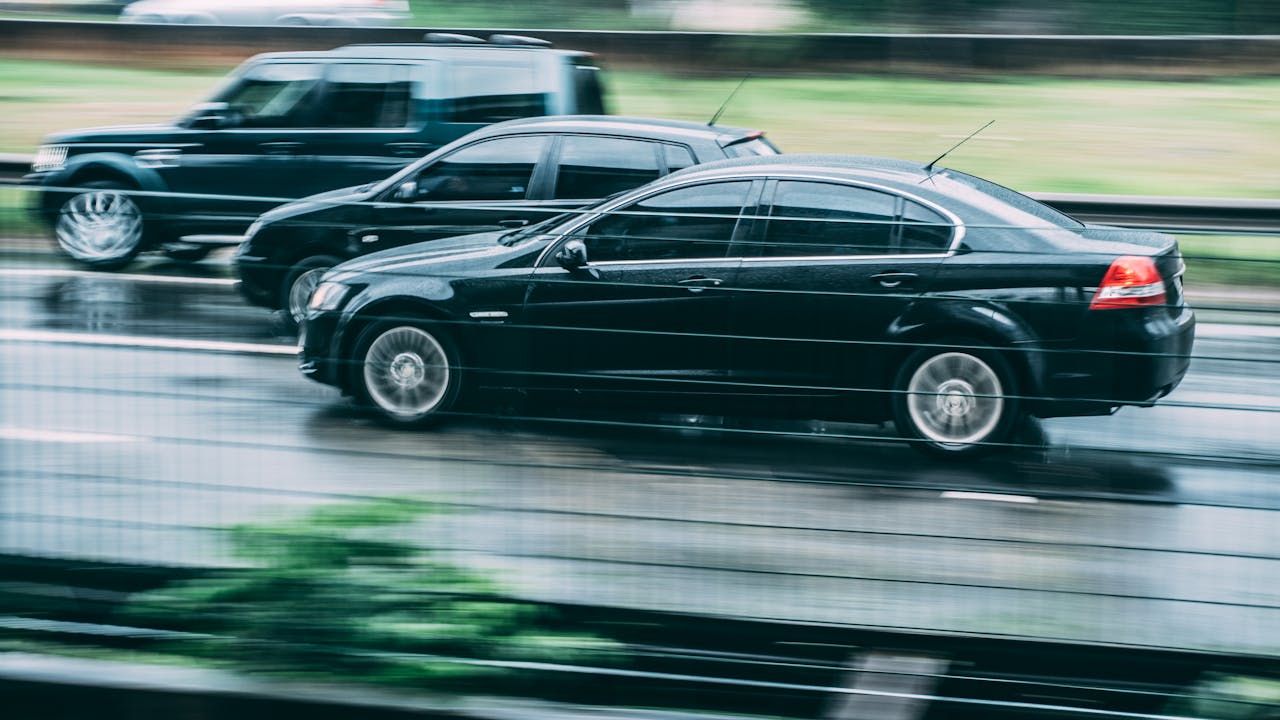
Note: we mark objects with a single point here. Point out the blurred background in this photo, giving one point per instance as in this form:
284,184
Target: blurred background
188,526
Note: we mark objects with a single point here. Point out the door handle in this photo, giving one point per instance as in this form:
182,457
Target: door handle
283,147
894,279
698,283
408,149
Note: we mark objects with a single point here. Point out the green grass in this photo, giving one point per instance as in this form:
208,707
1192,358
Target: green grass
1050,135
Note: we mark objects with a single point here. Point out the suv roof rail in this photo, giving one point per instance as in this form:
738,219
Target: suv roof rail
505,39
454,38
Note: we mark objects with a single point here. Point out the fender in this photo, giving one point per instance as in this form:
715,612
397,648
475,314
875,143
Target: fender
933,318
105,165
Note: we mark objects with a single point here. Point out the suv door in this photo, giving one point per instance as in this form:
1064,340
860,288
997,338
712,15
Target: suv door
647,312
369,124
485,186
832,267
259,153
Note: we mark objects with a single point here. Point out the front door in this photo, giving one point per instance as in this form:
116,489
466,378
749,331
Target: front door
644,318
486,186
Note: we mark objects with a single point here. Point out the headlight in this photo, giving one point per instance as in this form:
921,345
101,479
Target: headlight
49,157
328,296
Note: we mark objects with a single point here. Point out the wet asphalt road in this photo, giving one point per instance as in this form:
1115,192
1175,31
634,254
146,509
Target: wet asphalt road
139,416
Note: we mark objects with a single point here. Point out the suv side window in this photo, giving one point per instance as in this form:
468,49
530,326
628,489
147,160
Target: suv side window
685,223
365,95
495,93
592,167
809,219
498,169
275,95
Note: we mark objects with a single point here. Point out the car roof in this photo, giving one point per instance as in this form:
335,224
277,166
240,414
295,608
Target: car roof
653,128
478,51
892,172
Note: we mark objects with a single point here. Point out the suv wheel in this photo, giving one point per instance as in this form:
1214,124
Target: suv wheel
100,225
956,402
408,373
301,279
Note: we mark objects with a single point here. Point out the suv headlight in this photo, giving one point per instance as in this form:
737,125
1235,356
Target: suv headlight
328,296
49,157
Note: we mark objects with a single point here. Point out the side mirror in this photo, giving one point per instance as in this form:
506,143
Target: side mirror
407,191
573,255
212,116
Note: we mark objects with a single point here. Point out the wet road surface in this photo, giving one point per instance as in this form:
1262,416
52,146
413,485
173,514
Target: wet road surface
141,416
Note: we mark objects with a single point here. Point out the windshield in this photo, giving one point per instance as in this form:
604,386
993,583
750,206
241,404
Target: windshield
542,226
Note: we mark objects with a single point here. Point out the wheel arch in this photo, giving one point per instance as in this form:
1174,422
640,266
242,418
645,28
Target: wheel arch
399,307
942,321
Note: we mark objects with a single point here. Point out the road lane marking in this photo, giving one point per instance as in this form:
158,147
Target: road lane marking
63,273
134,341
995,497
62,436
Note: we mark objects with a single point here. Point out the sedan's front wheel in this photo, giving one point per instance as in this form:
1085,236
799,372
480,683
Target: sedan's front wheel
408,374
956,402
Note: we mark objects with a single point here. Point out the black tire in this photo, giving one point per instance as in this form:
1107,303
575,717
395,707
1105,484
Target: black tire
298,283
408,373
101,226
957,399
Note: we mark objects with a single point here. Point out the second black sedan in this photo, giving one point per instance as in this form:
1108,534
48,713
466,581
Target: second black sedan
504,176
825,287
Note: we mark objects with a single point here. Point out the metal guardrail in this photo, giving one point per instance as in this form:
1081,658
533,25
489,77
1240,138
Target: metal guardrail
1075,55
1224,215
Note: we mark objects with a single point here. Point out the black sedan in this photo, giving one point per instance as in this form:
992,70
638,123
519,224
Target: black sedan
505,175
829,287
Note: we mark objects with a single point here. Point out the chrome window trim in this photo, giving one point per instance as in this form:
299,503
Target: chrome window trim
958,225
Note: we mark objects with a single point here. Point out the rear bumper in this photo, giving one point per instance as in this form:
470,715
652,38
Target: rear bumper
1128,358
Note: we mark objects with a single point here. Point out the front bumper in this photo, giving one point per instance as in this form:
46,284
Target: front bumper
319,357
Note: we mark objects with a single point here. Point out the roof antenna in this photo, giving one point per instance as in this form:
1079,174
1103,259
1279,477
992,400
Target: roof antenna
725,104
934,161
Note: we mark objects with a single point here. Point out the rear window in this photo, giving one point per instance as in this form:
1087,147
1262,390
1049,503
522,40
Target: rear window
1020,205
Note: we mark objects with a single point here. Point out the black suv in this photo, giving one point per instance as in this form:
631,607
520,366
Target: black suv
504,176
288,125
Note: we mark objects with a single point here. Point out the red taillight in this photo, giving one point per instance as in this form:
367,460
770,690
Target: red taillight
1131,281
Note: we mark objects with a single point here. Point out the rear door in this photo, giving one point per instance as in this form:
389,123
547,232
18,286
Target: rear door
369,124
830,269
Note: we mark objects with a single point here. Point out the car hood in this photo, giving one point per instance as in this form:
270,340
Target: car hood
426,257
149,134
319,201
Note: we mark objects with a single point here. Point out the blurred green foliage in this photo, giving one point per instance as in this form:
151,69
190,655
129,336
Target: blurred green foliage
346,592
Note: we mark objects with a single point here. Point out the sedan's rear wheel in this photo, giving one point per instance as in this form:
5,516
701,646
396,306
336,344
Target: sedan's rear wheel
408,373
100,226
956,401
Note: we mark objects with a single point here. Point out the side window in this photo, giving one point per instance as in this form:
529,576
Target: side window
678,157
594,167
923,230
497,169
588,90
819,219
275,95
691,222
361,95
493,93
